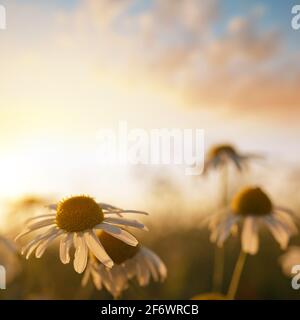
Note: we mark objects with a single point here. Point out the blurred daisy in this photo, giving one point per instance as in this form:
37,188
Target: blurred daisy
76,219
219,158
290,259
9,258
252,208
130,262
223,154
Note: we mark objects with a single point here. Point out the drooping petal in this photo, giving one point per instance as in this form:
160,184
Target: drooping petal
161,267
37,240
143,273
86,276
97,249
250,240
279,232
118,233
40,224
41,217
96,278
126,222
64,248
81,253
106,206
286,219
45,243
226,230
127,211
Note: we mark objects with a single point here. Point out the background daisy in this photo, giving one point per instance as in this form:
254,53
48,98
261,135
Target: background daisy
131,263
252,208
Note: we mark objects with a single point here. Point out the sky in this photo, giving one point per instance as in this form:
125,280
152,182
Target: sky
71,68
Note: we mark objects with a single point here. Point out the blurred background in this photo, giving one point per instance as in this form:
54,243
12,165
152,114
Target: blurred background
70,68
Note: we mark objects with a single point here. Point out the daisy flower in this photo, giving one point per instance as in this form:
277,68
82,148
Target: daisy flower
75,221
252,208
290,259
130,262
220,157
223,154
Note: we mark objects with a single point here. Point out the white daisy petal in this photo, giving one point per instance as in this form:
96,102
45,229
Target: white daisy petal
250,240
34,227
31,249
106,206
86,276
287,220
286,210
45,243
278,231
222,228
97,280
23,234
152,269
97,249
64,248
40,224
36,240
127,211
81,253
143,274
226,229
107,280
125,222
157,261
41,217
118,233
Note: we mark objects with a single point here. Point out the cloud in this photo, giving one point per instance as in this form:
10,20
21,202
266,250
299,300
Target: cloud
244,65
188,47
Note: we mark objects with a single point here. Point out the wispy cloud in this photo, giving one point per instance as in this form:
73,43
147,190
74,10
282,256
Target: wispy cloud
177,43
186,46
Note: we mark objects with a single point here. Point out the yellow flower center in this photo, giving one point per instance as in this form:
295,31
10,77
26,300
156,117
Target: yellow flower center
251,201
221,150
117,249
78,213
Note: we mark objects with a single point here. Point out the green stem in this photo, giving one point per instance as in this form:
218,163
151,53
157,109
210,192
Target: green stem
225,186
219,257
218,269
235,280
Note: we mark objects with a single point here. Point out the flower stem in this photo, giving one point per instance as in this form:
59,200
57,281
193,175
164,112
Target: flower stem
218,269
219,257
225,185
235,280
